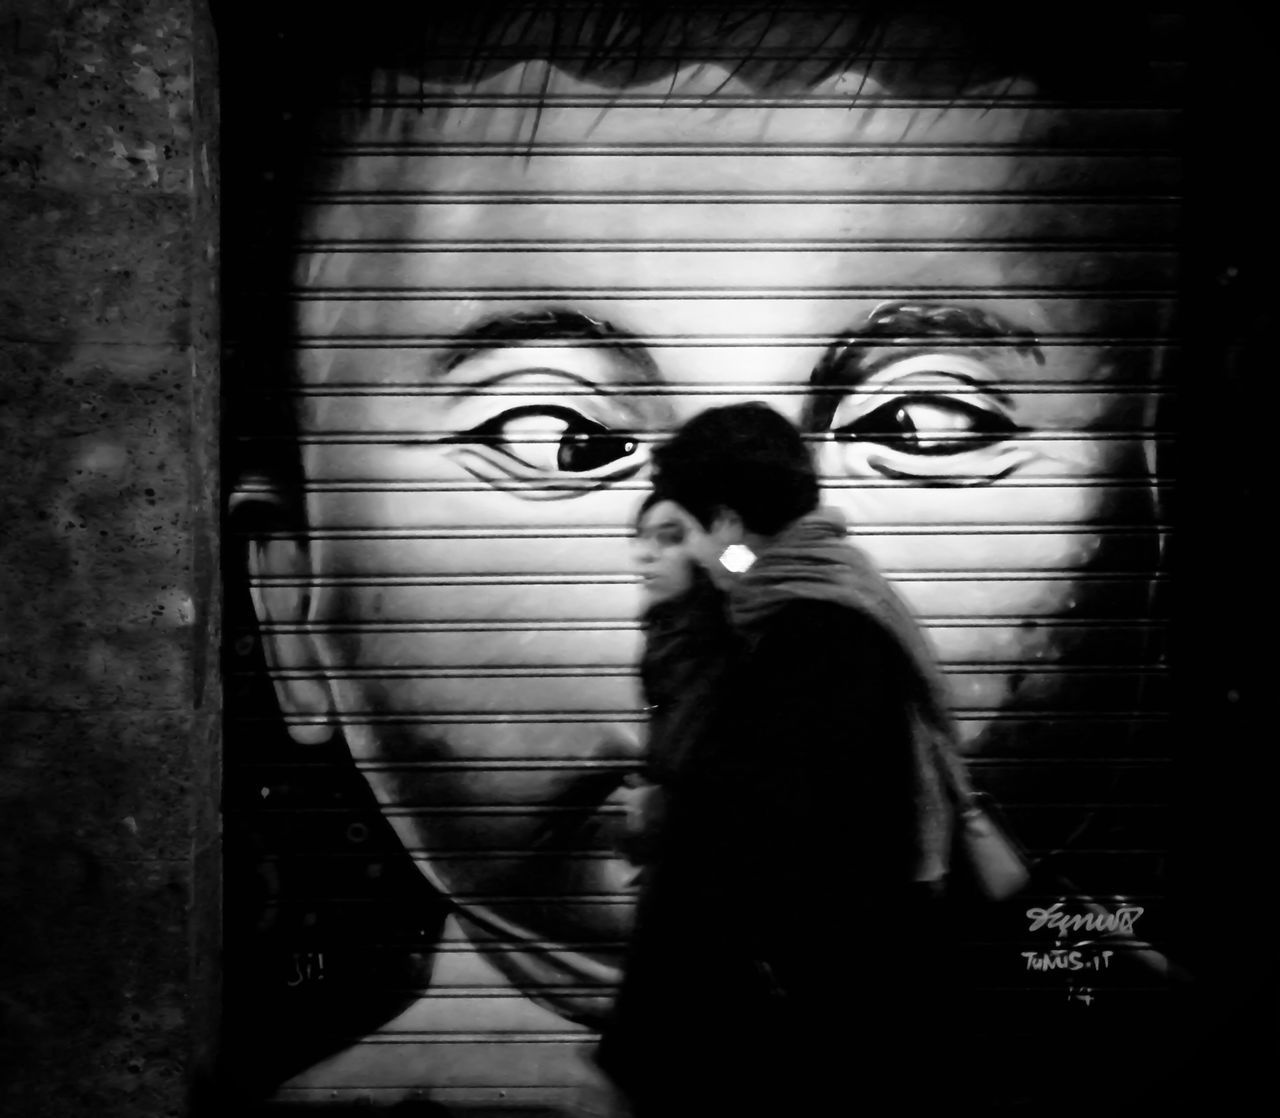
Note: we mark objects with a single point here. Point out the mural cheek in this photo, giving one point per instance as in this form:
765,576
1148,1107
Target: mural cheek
489,784
995,573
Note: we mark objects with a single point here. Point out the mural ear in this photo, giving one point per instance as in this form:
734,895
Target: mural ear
279,570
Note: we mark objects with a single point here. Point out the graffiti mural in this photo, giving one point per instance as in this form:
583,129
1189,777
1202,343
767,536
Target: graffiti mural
476,266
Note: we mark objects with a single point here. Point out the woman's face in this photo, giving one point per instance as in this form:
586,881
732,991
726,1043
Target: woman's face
662,551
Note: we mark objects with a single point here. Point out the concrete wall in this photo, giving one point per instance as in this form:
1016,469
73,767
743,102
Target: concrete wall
107,729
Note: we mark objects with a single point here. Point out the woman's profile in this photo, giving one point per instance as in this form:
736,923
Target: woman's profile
687,646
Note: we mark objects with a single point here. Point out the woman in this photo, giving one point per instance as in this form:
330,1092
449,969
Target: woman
687,642
782,943
688,646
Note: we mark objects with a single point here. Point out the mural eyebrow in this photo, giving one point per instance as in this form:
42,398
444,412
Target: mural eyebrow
549,325
907,324
917,323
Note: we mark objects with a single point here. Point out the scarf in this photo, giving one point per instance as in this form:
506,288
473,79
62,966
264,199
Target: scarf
812,559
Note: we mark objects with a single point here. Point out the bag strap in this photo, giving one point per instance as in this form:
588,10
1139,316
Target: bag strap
950,766
966,798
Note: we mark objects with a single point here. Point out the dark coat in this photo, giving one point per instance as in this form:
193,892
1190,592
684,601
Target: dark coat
688,648
688,645
781,888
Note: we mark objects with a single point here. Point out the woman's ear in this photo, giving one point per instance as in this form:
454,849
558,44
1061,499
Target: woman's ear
279,568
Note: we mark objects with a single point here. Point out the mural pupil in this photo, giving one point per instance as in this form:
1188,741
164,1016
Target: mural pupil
931,427
552,440
587,446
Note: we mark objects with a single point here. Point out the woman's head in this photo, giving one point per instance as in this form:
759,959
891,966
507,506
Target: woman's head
667,568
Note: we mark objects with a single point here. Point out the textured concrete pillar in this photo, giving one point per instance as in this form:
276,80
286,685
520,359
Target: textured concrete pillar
108,733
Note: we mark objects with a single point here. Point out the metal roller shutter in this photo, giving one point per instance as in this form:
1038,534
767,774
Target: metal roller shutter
473,313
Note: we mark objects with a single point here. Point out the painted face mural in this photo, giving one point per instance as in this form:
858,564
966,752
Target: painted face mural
507,288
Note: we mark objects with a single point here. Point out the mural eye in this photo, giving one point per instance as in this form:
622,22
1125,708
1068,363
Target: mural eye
553,440
930,425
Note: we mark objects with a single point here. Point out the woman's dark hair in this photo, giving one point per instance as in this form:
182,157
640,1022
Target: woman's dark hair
745,457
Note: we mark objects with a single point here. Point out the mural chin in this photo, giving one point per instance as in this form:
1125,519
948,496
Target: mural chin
527,851
576,891
562,944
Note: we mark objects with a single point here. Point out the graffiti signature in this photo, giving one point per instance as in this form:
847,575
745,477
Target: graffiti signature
1122,920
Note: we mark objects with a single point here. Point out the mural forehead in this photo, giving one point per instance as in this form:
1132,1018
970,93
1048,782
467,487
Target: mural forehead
507,280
